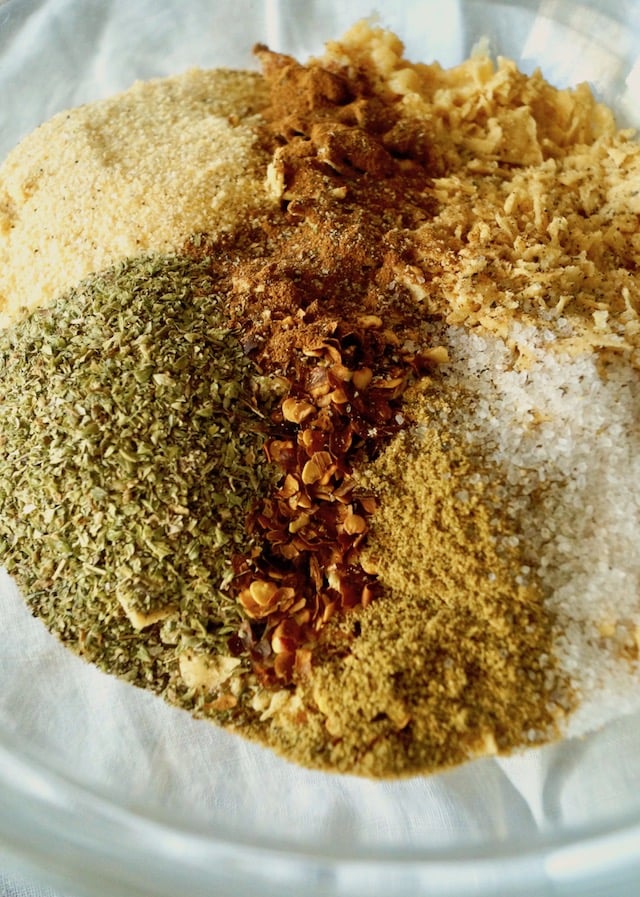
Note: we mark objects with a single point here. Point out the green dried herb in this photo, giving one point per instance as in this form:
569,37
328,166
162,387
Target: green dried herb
131,441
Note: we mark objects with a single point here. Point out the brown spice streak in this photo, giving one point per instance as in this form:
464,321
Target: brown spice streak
314,288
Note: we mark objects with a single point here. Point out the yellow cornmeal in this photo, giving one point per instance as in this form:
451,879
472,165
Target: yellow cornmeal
140,171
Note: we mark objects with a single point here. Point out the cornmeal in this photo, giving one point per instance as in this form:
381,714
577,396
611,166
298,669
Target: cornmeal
139,171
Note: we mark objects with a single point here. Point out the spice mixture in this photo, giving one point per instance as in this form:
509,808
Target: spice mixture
340,450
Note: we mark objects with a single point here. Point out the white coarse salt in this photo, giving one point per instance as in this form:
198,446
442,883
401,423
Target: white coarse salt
564,434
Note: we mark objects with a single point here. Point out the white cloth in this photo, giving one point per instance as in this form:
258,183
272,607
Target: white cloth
16,886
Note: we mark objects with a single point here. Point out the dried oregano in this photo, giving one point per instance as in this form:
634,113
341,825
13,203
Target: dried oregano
131,442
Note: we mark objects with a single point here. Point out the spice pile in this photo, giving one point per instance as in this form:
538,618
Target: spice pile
349,467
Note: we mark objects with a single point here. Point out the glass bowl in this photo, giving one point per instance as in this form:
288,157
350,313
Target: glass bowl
104,790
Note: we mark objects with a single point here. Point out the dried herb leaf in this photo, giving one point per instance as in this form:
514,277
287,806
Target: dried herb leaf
131,452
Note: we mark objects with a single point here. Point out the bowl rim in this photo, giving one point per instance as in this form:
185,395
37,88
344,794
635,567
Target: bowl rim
45,811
